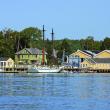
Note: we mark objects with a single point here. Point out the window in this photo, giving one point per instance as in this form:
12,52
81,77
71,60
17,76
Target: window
82,59
21,56
1,63
83,65
8,63
4,63
18,56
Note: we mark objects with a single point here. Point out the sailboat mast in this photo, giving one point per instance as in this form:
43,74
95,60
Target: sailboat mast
43,34
52,39
43,49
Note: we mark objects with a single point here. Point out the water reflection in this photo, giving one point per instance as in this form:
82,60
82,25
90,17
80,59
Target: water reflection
51,92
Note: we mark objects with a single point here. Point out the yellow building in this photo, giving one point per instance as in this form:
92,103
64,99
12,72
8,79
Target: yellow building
87,63
76,58
103,54
92,59
82,54
6,62
96,63
30,56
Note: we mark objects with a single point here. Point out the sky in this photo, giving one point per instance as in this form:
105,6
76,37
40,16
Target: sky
72,19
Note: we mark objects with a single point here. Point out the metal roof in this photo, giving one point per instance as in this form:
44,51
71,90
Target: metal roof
98,60
3,59
89,52
34,51
102,60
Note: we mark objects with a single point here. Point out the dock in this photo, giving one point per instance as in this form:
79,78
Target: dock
86,70
24,69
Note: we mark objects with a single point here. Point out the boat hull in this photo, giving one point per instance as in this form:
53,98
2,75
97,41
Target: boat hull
44,70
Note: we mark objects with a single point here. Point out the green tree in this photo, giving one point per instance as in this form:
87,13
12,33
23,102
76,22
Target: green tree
105,43
89,43
29,37
64,46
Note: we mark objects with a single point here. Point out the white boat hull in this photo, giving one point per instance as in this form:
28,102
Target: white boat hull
44,70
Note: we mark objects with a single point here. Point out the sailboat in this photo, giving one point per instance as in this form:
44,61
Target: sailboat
44,68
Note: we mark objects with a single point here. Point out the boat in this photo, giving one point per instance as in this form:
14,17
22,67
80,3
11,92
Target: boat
44,68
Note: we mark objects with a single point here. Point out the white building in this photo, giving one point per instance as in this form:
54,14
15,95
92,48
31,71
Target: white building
6,62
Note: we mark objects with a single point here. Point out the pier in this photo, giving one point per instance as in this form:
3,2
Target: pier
86,70
16,69
24,69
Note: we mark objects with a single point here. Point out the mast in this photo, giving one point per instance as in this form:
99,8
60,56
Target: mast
43,49
52,39
54,54
63,57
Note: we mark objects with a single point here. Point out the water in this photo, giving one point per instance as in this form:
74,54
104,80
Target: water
55,92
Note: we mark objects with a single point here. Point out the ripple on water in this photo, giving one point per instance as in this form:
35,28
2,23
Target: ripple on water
58,91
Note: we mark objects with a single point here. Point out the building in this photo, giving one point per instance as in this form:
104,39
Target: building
6,62
96,63
93,60
76,58
29,56
103,54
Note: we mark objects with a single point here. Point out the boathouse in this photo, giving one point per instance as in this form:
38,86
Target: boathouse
96,64
76,58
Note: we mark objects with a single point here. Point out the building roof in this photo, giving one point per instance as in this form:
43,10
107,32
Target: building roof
89,52
84,52
90,60
96,51
102,60
98,60
102,52
92,53
34,51
3,59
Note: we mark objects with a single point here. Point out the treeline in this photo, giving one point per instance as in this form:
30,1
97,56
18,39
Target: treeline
12,41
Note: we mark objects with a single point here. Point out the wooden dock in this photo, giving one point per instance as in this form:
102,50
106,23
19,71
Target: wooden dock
24,69
87,70
16,69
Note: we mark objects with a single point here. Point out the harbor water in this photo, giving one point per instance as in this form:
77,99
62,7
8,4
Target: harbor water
61,91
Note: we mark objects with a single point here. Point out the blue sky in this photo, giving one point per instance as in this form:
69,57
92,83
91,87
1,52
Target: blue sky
73,19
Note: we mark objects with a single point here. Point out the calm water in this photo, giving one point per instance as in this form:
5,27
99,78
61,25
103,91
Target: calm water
55,92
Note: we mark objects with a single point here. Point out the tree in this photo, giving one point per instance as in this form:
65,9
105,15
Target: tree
89,43
29,37
12,41
105,44
64,46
